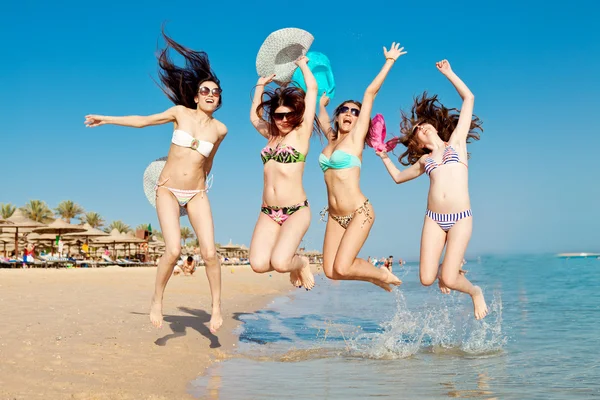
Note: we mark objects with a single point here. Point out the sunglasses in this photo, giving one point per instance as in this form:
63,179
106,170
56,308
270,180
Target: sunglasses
353,111
204,91
279,116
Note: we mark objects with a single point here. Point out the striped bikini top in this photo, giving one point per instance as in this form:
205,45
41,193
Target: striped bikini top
450,156
282,154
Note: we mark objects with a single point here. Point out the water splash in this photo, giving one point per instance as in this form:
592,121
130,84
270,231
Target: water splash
441,328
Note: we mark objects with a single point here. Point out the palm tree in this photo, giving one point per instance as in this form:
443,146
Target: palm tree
93,219
7,210
186,234
119,225
67,209
38,211
158,235
142,227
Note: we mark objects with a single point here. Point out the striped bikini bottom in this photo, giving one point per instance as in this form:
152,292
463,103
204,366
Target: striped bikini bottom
447,221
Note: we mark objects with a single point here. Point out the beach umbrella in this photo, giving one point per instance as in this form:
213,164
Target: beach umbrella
19,220
59,228
89,232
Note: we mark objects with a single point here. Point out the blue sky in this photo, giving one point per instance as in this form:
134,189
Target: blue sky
533,68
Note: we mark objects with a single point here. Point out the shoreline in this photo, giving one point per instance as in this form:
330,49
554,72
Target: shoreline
84,333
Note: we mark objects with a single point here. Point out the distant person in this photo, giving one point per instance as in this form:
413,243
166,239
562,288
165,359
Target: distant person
189,266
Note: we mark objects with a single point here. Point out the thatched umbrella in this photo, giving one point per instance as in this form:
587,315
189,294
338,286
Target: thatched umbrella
4,239
58,228
117,237
89,232
19,220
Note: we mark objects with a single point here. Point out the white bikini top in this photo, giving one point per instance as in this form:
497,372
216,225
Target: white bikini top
184,139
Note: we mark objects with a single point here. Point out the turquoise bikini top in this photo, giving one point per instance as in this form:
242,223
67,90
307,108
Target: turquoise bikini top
339,160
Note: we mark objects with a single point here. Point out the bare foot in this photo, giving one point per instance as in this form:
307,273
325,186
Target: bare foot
383,285
479,305
295,278
443,288
156,316
216,320
391,278
306,275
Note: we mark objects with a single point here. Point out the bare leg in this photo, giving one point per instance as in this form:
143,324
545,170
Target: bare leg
433,239
167,209
333,237
200,216
458,240
284,258
262,243
347,266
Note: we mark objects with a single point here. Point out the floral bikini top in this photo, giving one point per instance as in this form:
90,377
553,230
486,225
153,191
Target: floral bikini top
282,154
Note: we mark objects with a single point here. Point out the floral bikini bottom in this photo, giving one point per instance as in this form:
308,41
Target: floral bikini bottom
281,214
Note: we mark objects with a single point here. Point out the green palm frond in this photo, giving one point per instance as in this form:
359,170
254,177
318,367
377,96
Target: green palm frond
38,211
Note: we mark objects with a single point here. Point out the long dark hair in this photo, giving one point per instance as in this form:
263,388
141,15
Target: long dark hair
429,110
289,96
181,84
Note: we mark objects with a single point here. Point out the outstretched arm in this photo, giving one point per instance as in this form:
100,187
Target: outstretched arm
134,121
324,120
258,123
405,175
310,100
362,125
466,111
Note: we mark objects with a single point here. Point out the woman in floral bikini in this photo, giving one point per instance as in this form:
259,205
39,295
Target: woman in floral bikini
286,118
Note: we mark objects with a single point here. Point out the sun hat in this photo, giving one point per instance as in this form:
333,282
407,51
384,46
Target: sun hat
280,50
320,66
151,175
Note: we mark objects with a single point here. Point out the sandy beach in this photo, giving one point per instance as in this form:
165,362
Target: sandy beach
85,333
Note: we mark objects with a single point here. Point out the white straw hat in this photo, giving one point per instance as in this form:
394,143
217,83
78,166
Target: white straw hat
280,50
151,175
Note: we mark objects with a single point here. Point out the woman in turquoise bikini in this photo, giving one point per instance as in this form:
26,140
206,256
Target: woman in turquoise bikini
286,118
350,213
196,92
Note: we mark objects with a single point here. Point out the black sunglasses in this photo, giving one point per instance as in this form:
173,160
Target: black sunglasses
279,116
204,91
353,111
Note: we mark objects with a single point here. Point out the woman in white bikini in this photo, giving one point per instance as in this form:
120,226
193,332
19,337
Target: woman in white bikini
195,90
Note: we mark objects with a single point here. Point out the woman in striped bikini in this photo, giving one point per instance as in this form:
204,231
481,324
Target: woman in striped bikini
196,92
286,118
436,139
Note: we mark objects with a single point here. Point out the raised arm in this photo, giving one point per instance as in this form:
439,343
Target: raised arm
258,123
310,100
466,111
362,124
412,172
133,121
211,156
324,119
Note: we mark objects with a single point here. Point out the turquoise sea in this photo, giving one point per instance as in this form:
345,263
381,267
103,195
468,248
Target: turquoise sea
351,340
